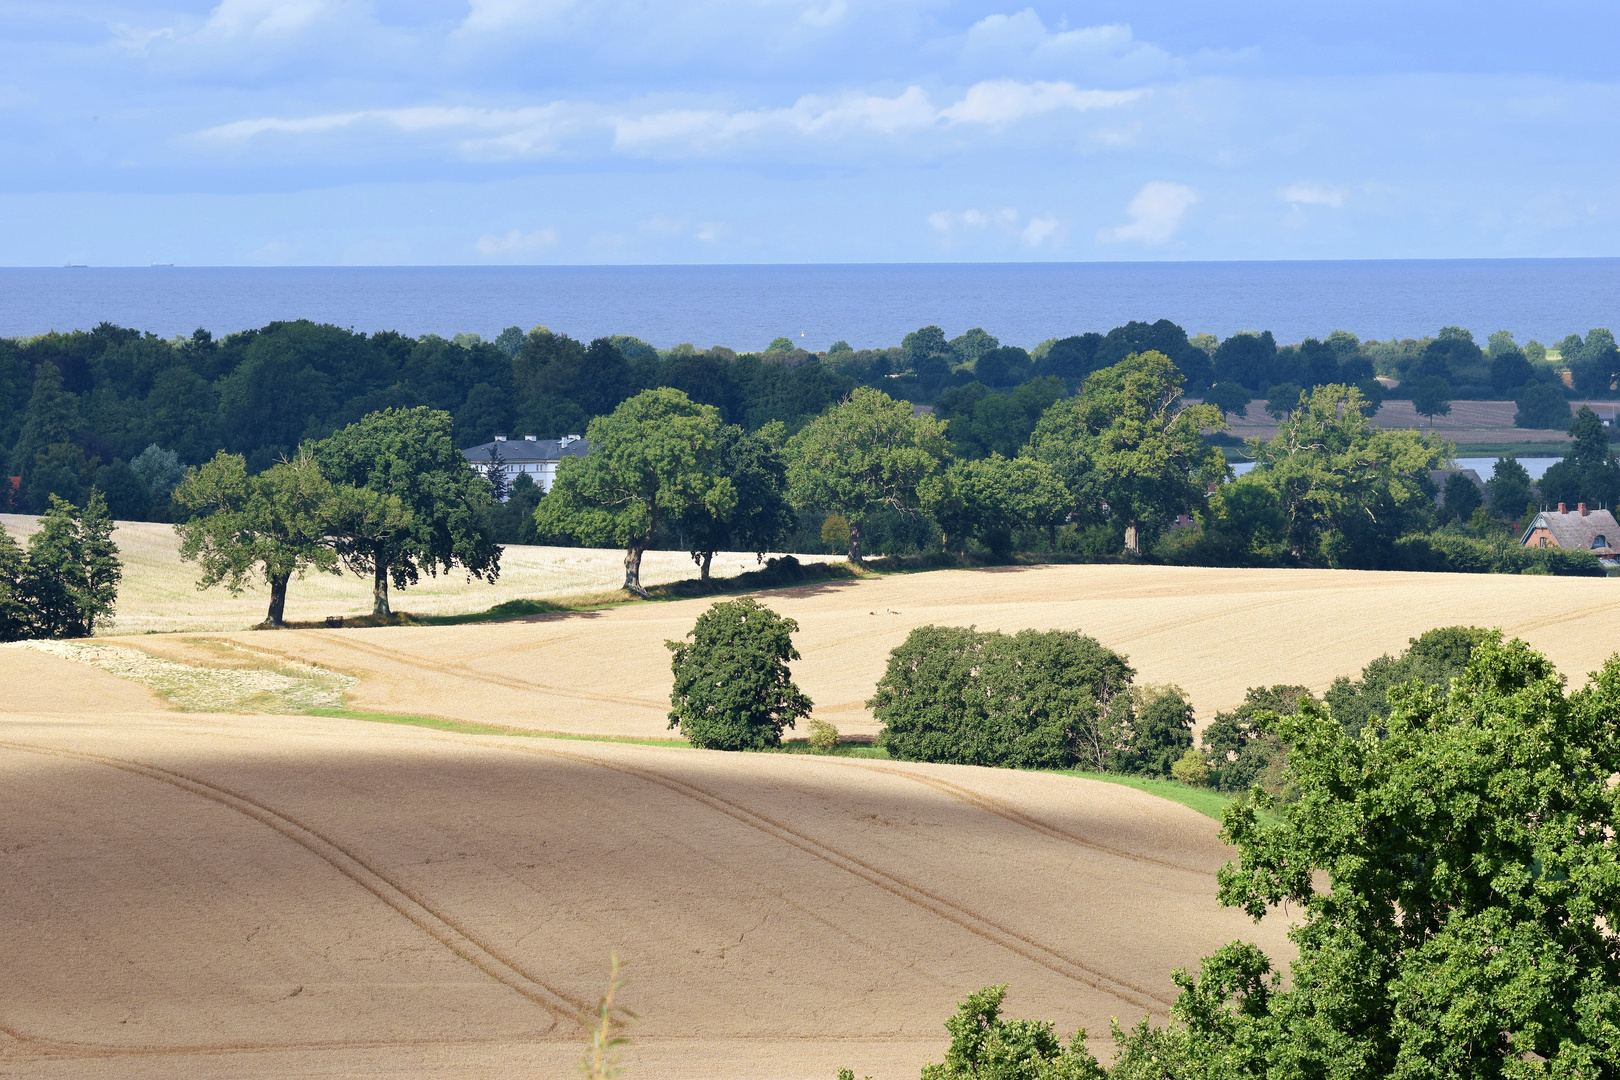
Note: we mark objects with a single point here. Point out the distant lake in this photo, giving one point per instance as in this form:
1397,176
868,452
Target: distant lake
1485,466
744,307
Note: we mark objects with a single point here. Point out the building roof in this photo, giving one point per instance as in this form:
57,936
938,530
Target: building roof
526,451
1439,477
1575,532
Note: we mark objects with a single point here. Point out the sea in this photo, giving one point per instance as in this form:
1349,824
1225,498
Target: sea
867,305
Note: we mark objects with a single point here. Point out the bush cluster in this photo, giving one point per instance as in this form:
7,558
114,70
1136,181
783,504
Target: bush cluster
1032,700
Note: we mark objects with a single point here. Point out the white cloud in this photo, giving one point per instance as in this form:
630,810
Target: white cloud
1311,193
500,133
135,39
265,18
1156,213
485,15
710,231
521,132
1021,41
823,15
1006,101
1039,230
514,243
665,226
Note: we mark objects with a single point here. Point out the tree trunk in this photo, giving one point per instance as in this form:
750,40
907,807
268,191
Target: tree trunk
278,600
1133,539
708,557
1051,539
855,543
379,590
632,569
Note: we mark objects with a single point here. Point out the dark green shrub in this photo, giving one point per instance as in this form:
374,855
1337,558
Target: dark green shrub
1032,700
733,689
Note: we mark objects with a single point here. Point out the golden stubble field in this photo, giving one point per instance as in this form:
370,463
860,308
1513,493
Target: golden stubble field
160,592
1213,632
193,894
250,895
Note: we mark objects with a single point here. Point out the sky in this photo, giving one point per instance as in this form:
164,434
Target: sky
442,132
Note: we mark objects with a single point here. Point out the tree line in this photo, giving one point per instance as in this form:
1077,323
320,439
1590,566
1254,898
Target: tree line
128,412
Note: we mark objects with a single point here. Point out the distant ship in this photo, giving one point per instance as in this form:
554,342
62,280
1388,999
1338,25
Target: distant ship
163,264
75,266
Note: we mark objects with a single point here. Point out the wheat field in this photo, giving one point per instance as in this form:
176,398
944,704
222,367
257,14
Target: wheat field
245,893
1213,632
160,591
249,896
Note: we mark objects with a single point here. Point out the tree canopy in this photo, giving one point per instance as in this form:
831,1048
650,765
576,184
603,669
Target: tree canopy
410,501
863,454
656,456
733,689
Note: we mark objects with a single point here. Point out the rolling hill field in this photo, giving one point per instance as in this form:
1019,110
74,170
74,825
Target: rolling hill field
1213,632
250,896
214,883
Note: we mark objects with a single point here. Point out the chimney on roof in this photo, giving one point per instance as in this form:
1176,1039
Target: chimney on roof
528,438
1582,507
1562,509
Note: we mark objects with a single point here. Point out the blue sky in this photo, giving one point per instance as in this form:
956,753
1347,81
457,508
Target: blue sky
264,132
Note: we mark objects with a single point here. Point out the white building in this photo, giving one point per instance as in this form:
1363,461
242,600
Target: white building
536,457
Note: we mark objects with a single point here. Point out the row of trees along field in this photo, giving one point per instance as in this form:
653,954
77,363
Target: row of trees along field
127,412
66,581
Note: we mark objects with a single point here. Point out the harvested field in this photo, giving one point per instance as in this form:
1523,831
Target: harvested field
1468,422
1214,632
160,592
251,896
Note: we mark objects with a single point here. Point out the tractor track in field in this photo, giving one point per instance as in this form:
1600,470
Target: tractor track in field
459,939
965,918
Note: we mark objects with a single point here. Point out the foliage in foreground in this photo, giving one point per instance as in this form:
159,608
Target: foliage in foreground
733,689
1465,930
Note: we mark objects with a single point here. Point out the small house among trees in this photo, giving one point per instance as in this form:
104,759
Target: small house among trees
538,458
1582,529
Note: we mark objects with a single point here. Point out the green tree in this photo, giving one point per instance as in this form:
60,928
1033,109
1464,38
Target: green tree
1337,479
986,1047
1282,399
990,498
759,516
54,582
272,526
1462,497
1596,365
127,498
103,570
441,518
160,470
1030,700
16,621
1160,732
51,419
1230,397
1541,405
1124,443
1431,397
657,457
1510,488
1589,472
863,454
733,688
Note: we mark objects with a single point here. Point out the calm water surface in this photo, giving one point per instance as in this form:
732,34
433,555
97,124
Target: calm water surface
744,307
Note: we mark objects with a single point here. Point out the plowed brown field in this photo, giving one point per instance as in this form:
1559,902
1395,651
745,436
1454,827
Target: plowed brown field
253,896
1213,632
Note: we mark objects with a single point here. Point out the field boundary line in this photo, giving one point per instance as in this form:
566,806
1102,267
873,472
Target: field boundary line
458,939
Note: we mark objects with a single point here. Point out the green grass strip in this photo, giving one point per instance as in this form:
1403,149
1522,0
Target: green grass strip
1209,803
468,727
